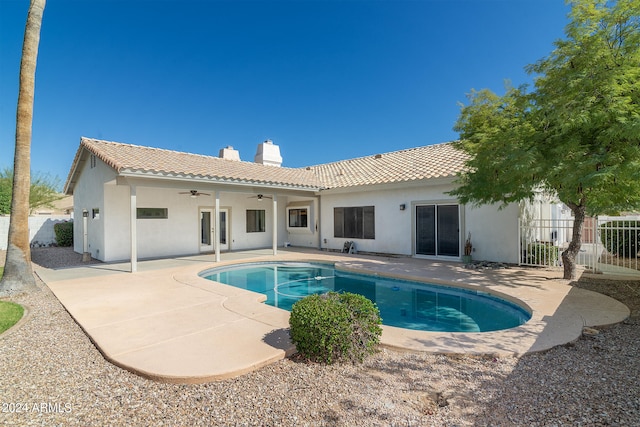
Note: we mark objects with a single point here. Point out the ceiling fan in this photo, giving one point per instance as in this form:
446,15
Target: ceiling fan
260,197
194,193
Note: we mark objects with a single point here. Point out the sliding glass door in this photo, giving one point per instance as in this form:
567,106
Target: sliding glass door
437,230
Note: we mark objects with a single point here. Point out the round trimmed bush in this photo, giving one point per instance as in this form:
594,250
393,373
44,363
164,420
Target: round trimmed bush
335,327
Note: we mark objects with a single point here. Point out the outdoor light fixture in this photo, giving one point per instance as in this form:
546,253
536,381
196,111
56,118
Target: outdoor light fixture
86,255
403,207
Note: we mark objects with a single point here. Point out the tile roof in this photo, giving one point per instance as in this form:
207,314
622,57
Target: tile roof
413,164
139,159
432,161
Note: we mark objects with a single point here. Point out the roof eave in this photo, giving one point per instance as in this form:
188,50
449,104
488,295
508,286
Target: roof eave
73,171
129,173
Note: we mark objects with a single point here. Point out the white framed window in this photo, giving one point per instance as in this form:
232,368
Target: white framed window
256,221
357,222
298,218
152,213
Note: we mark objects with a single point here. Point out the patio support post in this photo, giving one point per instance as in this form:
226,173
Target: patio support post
275,225
133,229
216,231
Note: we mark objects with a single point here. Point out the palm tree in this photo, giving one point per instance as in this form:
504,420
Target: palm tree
18,276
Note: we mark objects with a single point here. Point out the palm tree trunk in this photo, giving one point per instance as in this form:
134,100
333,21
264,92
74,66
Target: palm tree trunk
18,276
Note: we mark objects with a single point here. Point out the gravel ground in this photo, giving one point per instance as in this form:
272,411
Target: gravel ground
51,374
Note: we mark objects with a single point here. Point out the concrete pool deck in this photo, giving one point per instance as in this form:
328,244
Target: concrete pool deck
168,324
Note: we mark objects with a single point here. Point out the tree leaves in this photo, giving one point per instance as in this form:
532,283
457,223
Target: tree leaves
43,191
577,133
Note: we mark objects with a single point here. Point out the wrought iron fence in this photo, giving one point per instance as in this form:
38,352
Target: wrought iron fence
609,244
620,239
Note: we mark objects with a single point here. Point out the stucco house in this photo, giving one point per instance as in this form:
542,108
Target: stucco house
133,202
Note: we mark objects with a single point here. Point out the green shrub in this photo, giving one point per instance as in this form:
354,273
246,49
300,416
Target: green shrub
621,238
64,233
542,254
335,327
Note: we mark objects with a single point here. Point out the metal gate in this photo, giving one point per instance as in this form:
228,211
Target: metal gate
609,244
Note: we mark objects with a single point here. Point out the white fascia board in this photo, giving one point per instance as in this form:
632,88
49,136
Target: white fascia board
133,175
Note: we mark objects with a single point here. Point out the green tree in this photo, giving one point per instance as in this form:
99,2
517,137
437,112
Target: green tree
5,193
18,276
43,191
575,135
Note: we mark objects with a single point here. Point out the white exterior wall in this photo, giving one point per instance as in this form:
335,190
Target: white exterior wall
393,227
180,233
304,237
493,232
239,239
116,224
41,229
176,235
88,194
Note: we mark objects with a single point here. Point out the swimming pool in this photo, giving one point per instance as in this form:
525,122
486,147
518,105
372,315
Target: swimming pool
402,303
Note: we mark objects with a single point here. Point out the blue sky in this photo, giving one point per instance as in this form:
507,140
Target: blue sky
325,80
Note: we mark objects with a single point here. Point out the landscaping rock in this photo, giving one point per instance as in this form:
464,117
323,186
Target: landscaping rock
52,370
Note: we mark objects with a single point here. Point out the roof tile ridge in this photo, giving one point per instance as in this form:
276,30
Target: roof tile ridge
146,147
86,143
166,150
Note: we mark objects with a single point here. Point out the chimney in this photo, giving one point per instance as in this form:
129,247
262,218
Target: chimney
229,153
268,154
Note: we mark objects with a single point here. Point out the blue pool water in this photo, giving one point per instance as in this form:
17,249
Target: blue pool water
405,304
